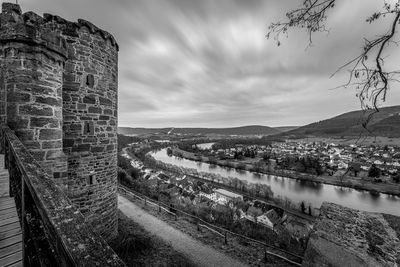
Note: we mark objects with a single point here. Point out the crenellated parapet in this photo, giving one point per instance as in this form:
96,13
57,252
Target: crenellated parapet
31,32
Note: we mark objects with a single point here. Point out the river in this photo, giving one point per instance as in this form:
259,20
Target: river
297,191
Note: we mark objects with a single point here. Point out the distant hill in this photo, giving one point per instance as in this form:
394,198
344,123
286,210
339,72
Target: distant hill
243,130
139,131
386,122
286,128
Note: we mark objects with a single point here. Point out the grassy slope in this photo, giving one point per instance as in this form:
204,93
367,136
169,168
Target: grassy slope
136,247
350,124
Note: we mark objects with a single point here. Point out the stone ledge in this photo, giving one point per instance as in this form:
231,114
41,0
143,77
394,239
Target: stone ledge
348,237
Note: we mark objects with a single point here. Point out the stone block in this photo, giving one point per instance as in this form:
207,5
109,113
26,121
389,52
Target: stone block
18,97
68,142
97,149
51,144
108,111
69,78
51,101
35,110
105,101
32,144
71,87
95,110
53,154
75,127
50,134
89,99
45,122
81,148
103,117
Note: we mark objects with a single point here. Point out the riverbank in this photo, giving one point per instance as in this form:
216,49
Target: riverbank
255,191
390,188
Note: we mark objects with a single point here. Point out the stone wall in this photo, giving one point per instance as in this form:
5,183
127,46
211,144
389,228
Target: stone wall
32,84
59,83
90,125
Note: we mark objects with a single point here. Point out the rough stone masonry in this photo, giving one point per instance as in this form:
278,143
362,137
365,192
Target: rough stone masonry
58,92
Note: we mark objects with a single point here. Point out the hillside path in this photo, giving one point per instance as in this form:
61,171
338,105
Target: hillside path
196,251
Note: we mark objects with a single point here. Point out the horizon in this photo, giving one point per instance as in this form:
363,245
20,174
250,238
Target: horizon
210,127
158,127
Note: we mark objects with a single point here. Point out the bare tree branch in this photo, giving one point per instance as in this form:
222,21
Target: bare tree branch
366,71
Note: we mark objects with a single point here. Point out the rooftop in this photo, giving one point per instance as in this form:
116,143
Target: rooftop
227,193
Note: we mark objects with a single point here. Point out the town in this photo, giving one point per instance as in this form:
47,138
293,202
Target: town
362,160
249,216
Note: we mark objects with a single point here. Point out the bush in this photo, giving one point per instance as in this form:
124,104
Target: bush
241,166
124,178
396,178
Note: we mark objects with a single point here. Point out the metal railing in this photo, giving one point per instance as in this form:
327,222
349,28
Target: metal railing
54,231
213,228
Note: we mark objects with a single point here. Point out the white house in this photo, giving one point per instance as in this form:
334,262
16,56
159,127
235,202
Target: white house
225,196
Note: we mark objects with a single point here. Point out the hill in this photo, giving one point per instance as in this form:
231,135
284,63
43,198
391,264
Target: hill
384,123
286,128
243,130
140,131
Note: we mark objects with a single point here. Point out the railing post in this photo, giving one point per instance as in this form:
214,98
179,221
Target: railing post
1,140
226,239
7,163
23,224
265,253
6,154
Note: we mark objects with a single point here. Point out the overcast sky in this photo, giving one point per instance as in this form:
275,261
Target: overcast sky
207,63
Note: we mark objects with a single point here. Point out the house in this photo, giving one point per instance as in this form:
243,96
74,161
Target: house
225,196
263,219
269,219
211,196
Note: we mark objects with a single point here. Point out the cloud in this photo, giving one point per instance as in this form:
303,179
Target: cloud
208,63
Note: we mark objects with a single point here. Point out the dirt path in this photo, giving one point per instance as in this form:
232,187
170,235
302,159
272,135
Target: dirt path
199,253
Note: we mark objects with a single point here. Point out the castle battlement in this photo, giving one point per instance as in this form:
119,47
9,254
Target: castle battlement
47,30
58,92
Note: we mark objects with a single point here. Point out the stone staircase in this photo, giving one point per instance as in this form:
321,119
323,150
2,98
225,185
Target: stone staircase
10,227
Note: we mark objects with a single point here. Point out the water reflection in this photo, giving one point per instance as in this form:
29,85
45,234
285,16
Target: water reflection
343,191
298,190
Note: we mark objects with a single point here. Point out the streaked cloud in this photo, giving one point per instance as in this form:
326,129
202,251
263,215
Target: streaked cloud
208,63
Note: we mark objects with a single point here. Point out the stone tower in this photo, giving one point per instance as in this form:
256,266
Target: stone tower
58,92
